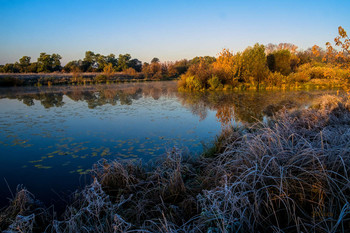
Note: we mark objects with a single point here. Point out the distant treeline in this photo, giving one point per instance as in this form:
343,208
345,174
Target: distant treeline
107,65
258,66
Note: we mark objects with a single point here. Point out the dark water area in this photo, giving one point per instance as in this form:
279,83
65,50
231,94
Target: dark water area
51,136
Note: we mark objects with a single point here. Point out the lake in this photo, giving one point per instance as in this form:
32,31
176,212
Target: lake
51,136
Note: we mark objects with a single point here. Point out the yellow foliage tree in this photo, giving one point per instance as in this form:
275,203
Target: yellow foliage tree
342,41
226,66
108,69
316,50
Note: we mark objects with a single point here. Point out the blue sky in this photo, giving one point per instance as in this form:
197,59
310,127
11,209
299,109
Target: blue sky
169,30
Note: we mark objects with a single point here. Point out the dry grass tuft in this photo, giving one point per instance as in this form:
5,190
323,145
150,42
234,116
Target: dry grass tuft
24,213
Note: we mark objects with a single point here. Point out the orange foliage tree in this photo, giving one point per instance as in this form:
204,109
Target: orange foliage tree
343,42
226,66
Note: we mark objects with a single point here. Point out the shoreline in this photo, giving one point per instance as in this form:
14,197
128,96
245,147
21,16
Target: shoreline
39,79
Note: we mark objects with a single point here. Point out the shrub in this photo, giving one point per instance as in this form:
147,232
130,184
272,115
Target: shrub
215,83
130,71
275,79
100,78
298,77
193,83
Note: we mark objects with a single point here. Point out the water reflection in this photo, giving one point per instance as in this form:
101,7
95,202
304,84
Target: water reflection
229,106
245,106
50,136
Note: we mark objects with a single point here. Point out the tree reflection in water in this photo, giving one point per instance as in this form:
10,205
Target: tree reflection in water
230,107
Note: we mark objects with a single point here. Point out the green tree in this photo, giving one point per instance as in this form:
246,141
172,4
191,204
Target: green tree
280,61
89,61
73,66
44,63
112,59
56,63
49,63
135,64
11,68
123,61
155,60
24,63
33,67
207,59
101,62
254,64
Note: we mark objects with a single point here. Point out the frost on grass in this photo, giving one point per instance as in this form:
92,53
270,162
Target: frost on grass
24,213
92,211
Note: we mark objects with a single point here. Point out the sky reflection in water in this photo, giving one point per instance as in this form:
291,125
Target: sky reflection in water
51,136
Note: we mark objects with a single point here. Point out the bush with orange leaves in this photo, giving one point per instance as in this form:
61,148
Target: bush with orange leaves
197,76
204,75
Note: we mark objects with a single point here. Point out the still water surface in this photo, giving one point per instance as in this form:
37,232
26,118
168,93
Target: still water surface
51,136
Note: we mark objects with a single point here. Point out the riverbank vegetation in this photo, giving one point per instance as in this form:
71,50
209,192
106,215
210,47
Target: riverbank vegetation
272,66
287,174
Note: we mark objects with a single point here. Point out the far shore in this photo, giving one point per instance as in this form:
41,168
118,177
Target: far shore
63,74
68,75
58,78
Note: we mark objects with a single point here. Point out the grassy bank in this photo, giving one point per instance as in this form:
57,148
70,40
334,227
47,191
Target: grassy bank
290,174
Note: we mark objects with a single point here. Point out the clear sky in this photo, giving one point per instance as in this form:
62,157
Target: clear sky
169,30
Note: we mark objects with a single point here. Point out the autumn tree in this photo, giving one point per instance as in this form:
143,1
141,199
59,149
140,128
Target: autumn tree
108,69
271,48
292,48
176,68
207,59
201,73
146,69
181,66
342,41
280,61
254,67
111,59
227,66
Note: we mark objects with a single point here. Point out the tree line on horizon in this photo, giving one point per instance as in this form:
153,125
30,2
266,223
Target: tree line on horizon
269,65
94,62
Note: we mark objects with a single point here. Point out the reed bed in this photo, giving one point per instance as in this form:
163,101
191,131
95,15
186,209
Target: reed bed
288,174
